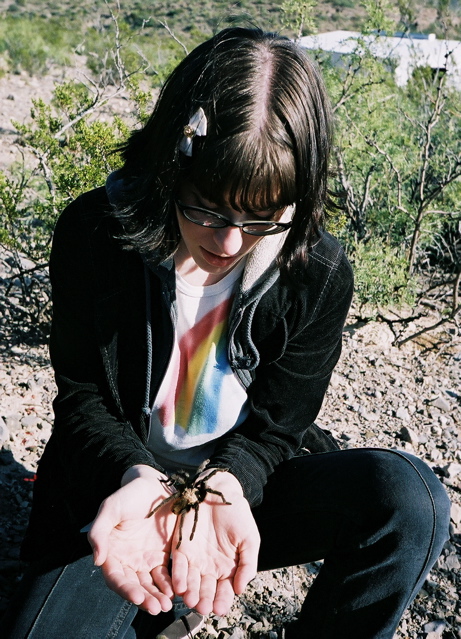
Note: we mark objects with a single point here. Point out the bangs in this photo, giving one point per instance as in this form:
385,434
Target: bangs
247,174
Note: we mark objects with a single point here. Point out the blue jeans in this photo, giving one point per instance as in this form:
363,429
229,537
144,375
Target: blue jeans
378,518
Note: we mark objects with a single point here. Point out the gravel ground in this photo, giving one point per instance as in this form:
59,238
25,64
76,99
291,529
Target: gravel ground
407,398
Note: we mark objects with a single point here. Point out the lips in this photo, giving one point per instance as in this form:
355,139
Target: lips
217,260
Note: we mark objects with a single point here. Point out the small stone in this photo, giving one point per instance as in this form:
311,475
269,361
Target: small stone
257,627
4,432
32,448
403,414
452,562
13,423
455,514
435,627
39,381
370,417
335,380
409,435
442,404
30,421
210,631
452,470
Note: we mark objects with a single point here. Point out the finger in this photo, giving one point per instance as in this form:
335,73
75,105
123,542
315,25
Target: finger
124,581
192,595
154,600
156,603
224,597
179,572
247,566
151,603
207,594
161,578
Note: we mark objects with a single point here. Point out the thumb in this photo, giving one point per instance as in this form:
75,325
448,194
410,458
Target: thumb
101,528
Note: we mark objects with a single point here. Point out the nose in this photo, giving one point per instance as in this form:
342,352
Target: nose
229,240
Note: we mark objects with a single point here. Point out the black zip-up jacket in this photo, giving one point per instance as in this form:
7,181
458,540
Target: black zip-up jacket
110,345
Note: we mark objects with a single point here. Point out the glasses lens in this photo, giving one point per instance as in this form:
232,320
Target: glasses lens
263,228
205,218
214,221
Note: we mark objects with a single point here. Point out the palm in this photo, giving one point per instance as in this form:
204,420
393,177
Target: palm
137,561
220,559
134,549
141,544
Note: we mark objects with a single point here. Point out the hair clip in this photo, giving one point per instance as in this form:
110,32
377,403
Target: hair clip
197,126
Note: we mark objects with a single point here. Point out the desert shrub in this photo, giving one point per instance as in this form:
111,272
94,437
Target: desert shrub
341,4
381,275
70,161
32,44
73,154
398,153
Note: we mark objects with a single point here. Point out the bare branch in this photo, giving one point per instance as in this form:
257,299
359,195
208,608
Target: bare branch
456,305
386,155
100,99
426,329
181,44
424,200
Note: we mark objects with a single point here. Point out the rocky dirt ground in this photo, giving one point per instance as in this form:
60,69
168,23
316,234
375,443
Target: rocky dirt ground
407,398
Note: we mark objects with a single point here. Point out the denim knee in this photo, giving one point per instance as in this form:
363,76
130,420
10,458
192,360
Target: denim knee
402,489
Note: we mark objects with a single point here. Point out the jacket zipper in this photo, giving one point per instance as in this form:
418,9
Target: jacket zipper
147,409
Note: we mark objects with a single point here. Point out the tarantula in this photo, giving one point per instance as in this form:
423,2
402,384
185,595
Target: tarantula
189,494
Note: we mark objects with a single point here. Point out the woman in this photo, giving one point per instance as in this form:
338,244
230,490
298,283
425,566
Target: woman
198,312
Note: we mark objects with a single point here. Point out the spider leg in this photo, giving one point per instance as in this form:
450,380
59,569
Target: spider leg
202,467
162,503
213,473
195,507
181,523
216,492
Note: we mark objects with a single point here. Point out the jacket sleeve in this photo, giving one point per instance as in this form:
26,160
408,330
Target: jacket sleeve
286,395
94,442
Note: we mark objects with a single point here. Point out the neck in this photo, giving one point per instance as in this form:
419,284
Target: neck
194,275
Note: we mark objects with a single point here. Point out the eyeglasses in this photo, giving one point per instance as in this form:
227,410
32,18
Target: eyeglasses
204,217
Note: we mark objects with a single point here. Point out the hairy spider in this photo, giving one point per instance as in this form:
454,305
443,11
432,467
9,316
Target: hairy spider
190,492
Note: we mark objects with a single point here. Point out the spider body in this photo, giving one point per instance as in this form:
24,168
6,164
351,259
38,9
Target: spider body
190,493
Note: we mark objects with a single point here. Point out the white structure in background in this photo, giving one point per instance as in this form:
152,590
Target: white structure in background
404,51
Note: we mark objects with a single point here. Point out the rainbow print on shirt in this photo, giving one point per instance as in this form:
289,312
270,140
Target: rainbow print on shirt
201,368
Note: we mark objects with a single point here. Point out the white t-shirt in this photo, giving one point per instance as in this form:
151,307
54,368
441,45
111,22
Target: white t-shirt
200,398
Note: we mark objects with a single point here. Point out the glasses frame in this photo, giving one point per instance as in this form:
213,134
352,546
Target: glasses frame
224,222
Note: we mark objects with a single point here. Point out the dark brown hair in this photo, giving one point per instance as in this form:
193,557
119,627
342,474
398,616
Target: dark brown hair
267,143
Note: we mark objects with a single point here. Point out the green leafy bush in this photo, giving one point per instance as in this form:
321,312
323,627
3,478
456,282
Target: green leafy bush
33,44
73,154
381,276
71,159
